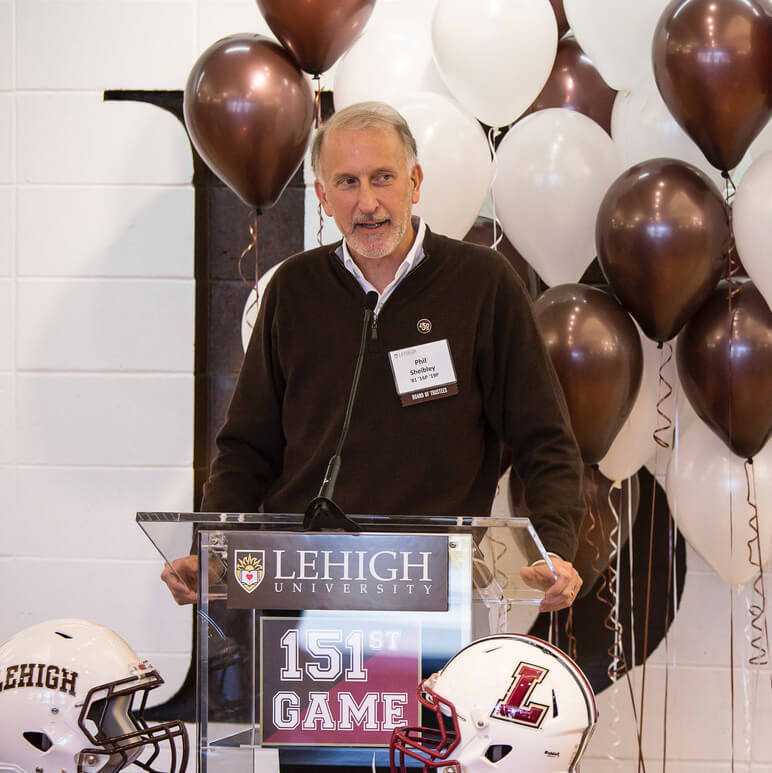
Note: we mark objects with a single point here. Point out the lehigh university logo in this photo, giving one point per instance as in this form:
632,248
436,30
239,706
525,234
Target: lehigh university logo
249,569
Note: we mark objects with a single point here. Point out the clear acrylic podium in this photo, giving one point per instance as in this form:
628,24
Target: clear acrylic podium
310,645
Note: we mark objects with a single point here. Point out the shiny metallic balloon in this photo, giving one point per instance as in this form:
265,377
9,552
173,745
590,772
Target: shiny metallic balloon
662,235
249,112
574,83
317,32
713,65
597,355
725,365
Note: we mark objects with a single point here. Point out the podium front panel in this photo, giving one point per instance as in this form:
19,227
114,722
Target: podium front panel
306,682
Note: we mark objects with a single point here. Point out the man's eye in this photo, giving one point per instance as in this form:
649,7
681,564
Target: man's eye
384,178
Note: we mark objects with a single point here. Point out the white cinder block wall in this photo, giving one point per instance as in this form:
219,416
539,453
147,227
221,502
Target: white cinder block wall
96,358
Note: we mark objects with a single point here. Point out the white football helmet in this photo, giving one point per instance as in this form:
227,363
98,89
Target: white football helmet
504,704
72,697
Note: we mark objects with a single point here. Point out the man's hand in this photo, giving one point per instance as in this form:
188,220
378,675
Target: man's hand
560,592
182,578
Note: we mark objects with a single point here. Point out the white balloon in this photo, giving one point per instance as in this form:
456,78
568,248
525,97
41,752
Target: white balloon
701,478
494,56
389,61
762,143
252,306
616,35
752,223
635,445
553,170
453,152
643,128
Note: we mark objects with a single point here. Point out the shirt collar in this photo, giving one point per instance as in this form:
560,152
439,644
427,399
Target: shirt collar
414,254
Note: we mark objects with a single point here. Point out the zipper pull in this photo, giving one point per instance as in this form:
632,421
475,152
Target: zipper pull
374,329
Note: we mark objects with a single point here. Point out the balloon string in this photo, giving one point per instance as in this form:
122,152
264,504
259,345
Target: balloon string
613,727
600,595
625,665
317,102
731,675
648,607
733,264
730,189
571,638
641,762
589,535
252,285
494,159
625,670
760,634
663,443
617,662
552,636
672,557
667,424
612,622
670,563
321,225
631,559
317,124
618,653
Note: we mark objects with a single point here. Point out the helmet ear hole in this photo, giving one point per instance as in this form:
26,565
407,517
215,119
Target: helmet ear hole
497,752
39,740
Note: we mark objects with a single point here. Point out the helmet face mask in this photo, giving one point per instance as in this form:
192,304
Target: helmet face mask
72,698
505,703
112,718
432,746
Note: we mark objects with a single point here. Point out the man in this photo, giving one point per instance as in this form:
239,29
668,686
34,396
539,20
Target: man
453,301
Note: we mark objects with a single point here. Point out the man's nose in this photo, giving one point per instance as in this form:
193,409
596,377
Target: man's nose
368,201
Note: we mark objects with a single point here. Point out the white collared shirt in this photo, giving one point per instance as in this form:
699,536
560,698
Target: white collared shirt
412,259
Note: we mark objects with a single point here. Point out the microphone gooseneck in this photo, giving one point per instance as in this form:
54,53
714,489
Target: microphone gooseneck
322,512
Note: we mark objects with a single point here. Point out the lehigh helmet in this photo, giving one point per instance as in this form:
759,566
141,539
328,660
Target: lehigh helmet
72,698
505,703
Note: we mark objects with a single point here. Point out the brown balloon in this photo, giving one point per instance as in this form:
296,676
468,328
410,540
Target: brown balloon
725,364
595,534
317,32
597,355
713,66
662,235
574,83
560,16
249,112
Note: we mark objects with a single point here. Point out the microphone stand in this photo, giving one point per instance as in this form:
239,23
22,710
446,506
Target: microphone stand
322,512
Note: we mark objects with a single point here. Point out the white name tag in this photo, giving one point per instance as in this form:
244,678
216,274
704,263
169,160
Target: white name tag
424,372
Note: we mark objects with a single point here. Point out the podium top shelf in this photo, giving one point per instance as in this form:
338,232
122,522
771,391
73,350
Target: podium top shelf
173,533
450,523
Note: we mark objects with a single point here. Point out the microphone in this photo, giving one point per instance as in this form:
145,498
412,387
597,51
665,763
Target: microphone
322,512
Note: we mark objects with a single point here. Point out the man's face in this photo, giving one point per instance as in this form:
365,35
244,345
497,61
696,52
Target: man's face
369,190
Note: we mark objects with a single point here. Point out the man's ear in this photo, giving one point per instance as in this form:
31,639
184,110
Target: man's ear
416,177
322,196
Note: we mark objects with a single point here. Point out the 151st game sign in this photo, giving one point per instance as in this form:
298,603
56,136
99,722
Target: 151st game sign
341,668
337,681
